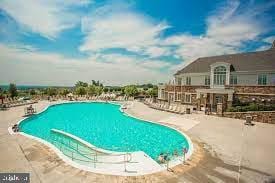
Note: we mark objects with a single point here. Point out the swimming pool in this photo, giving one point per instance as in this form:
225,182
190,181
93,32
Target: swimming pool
106,127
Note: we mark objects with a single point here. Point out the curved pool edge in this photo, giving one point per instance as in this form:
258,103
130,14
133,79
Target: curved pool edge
67,160
190,143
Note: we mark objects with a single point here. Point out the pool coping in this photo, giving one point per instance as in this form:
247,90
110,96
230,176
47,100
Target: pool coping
163,167
191,147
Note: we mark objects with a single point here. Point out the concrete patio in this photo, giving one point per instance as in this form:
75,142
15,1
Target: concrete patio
219,144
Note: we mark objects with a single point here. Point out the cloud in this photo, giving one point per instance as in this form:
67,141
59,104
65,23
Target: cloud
234,24
228,29
269,39
267,43
47,18
157,51
117,26
22,66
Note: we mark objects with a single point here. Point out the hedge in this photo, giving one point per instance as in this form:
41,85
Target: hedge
252,107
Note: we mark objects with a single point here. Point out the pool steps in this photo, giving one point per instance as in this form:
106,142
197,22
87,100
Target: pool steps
95,152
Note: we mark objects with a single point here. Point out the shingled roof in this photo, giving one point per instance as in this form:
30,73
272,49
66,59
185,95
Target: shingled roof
252,61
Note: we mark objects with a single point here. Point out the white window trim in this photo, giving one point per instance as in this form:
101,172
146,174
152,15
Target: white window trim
178,81
190,98
213,66
177,96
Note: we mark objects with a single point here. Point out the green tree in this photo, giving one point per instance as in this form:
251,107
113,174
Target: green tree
152,92
131,90
13,90
91,90
64,92
94,82
97,83
32,92
80,83
80,90
105,90
98,90
51,91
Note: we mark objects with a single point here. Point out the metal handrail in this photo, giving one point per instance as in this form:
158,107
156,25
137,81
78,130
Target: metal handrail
78,152
87,144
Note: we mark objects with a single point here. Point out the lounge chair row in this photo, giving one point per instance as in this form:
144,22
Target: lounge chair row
17,103
166,107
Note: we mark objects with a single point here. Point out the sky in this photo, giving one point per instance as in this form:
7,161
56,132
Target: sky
120,42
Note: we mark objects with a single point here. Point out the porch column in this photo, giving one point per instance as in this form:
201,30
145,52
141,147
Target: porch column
211,98
198,98
159,93
220,109
229,100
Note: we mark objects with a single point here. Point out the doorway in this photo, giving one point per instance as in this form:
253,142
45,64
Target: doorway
218,98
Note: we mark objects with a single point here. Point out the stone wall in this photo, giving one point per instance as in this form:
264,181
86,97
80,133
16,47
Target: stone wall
238,89
259,116
258,94
188,89
254,89
245,98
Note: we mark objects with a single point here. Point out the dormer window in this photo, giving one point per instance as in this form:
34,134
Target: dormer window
219,75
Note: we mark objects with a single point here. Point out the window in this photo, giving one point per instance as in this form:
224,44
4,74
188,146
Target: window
171,96
178,96
183,97
188,80
162,94
219,75
273,79
207,80
262,79
178,81
188,98
233,80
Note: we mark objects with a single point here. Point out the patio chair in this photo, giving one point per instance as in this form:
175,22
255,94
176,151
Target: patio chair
180,110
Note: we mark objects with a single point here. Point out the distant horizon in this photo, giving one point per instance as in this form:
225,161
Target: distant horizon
60,86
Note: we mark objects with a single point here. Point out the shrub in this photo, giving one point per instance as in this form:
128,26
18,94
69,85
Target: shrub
252,107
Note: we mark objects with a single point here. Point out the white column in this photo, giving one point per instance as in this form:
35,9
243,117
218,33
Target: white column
212,77
198,95
227,82
230,97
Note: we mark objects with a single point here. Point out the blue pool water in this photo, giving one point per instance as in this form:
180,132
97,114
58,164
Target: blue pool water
105,126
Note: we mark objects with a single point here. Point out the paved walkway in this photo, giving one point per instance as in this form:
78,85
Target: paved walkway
218,143
226,140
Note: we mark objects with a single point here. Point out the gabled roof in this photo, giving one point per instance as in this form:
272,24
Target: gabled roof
252,61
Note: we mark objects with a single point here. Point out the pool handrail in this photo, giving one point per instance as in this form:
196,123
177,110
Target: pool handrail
89,159
95,149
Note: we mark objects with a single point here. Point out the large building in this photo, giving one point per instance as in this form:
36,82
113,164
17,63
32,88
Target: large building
225,79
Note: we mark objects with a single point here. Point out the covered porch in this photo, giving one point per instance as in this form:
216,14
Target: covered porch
211,98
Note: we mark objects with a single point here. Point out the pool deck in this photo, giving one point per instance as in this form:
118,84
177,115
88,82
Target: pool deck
218,146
